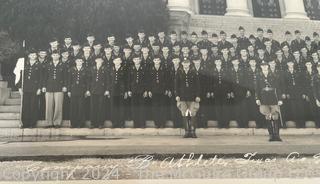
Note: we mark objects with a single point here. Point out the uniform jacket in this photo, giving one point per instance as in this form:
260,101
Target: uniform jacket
98,81
55,77
268,97
31,78
78,81
187,85
137,79
157,80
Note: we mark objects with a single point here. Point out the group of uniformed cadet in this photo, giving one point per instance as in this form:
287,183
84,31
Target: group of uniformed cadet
188,81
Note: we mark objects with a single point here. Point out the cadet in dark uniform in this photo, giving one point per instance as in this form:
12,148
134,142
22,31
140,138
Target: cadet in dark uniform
274,43
66,99
294,91
157,87
137,90
68,43
54,85
298,43
162,39
260,38
316,93
31,90
253,73
288,40
188,97
267,98
194,38
117,92
315,43
307,95
184,40
238,93
43,60
77,91
205,42
223,43
243,41
99,90
220,87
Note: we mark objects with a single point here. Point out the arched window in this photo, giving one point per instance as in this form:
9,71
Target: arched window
212,7
266,8
313,9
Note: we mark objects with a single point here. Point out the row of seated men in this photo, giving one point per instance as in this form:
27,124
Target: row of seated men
137,80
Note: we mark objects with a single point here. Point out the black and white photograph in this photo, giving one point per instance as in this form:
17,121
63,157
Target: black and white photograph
160,91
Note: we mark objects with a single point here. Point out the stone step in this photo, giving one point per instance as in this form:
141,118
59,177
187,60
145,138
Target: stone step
10,108
13,101
9,116
3,84
9,123
15,94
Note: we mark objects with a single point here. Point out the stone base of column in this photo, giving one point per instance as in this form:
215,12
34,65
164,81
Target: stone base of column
297,15
179,20
238,12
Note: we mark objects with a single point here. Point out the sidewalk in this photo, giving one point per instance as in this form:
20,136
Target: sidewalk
132,145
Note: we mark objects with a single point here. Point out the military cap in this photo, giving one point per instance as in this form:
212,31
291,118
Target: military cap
173,32
195,58
269,31
90,34
285,44
53,39
233,36
224,47
297,32
176,44
128,35
156,43
55,52
186,60
295,50
252,37
278,49
261,47
290,62
287,33
214,35
79,58
67,35
32,51
194,33
96,42
264,64
151,34
267,40
75,42
259,29
241,28
307,38
141,30
184,32
315,34
126,46
107,46
157,56
86,45
204,32
222,32
136,56
136,42
64,50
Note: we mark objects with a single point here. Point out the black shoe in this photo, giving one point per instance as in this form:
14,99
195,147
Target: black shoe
186,134
277,138
193,134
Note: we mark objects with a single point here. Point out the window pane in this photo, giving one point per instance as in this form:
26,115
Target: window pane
313,9
266,8
212,7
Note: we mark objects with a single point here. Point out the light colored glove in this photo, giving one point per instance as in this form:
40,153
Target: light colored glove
178,99
280,103
125,95
284,96
129,94
248,94
39,92
208,95
169,94
64,89
258,102
44,90
318,103
198,99
145,94
150,94
107,93
69,94
88,94
212,95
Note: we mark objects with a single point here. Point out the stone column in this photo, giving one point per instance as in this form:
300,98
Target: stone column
238,8
180,5
294,9
180,12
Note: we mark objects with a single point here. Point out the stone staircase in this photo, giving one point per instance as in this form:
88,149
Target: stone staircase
10,111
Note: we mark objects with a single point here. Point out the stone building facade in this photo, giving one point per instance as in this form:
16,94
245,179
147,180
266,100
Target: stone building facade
228,15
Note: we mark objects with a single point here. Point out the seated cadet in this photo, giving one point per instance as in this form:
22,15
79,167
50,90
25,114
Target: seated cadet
316,93
188,97
31,90
77,92
267,94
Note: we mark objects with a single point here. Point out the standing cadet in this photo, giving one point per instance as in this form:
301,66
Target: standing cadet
54,45
65,59
76,51
67,43
205,42
243,41
194,38
220,87
174,112
294,91
31,90
184,40
252,79
77,91
188,97
316,93
267,98
54,85
288,40
43,61
238,92
274,43
117,93
157,87
309,104
137,90
298,43
315,43
99,90
162,39
260,38
223,43
201,66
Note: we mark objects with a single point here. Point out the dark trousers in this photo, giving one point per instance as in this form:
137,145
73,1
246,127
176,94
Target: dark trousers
42,106
87,108
296,112
97,110
77,111
158,109
66,107
309,110
240,111
107,108
204,113
222,109
117,111
30,109
127,109
137,109
253,112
